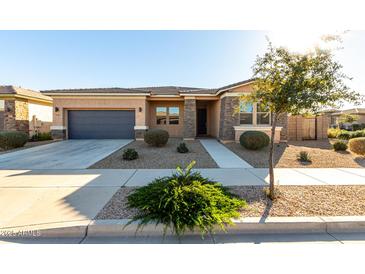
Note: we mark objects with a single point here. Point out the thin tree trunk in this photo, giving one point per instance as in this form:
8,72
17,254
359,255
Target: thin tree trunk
271,156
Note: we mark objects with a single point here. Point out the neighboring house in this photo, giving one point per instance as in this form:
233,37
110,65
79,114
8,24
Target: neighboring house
182,111
24,110
335,117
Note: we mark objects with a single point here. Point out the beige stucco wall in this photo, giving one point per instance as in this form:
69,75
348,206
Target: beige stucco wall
42,112
213,118
174,130
242,89
241,129
40,117
74,103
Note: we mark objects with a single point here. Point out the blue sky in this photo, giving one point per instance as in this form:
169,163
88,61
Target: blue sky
80,59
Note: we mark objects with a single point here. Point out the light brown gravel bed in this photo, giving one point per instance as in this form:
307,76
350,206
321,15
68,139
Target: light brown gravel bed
320,151
293,201
159,157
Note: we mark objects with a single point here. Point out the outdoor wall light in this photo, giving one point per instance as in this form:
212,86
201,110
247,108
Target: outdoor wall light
56,109
140,109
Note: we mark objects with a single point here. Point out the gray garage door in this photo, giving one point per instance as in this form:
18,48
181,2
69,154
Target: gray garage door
101,124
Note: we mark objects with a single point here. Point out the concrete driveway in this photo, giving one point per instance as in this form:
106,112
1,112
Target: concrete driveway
47,199
69,154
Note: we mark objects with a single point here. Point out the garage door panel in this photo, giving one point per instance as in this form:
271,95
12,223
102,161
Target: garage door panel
101,124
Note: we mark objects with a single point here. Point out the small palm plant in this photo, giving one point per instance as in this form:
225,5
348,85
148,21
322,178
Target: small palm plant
185,201
304,157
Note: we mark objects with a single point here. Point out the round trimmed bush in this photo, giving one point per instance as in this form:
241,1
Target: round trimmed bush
357,145
254,140
156,137
12,139
339,146
130,154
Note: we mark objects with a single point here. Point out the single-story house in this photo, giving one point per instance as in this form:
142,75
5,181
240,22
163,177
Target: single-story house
25,110
335,117
185,112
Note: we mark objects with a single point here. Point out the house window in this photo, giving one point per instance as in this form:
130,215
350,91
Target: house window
174,115
246,113
161,115
262,115
167,115
254,114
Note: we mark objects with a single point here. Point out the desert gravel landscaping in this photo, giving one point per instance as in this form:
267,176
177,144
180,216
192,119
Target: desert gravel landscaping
320,151
293,201
159,157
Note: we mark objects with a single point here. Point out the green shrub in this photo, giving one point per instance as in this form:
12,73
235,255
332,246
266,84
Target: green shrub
339,146
182,148
185,201
344,135
357,145
333,132
12,139
356,127
130,154
304,156
254,140
41,136
156,137
357,133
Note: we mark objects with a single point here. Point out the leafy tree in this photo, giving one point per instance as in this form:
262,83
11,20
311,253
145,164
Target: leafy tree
294,83
348,118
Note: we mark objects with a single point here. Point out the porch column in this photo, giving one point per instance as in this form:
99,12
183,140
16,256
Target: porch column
189,118
229,117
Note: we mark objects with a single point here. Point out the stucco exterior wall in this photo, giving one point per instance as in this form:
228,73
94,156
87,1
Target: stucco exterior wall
42,112
64,104
173,130
213,118
40,118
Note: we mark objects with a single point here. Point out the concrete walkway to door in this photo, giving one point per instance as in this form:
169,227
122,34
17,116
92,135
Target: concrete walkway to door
70,154
222,155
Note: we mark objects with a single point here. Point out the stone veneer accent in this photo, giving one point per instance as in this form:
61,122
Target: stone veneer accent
283,122
139,133
190,118
16,115
228,118
58,133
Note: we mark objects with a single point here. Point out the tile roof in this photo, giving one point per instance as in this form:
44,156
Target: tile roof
24,92
94,90
162,90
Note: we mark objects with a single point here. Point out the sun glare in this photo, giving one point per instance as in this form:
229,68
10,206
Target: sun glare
297,40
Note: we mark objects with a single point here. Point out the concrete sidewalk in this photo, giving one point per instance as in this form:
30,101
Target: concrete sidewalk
222,155
30,198
260,176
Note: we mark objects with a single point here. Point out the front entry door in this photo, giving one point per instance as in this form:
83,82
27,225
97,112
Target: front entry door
202,121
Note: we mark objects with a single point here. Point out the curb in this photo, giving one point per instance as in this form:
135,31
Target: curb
250,225
73,229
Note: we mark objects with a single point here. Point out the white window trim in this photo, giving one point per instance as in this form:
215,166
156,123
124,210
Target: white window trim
254,117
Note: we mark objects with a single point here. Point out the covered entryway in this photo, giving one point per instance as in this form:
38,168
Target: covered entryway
101,124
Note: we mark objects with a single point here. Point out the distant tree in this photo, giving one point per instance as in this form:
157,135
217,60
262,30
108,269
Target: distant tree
348,118
294,83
